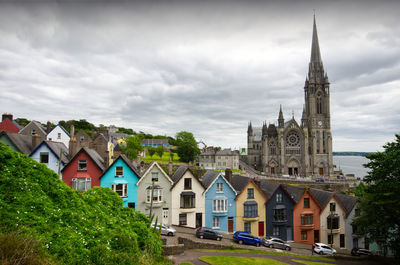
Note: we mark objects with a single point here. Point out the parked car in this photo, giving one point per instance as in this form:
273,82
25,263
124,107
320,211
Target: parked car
319,180
322,249
360,251
246,238
165,230
274,242
205,232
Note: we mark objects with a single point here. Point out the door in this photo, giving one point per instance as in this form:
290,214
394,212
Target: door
230,224
289,234
321,171
260,228
316,236
199,220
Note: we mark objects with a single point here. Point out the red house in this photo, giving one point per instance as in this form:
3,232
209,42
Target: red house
84,170
8,125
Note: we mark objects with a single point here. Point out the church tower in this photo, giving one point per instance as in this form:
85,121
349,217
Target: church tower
316,121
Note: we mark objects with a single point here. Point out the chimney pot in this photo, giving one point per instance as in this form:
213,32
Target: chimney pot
48,128
36,140
228,175
8,116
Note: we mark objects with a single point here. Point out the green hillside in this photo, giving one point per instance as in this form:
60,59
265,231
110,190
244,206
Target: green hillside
71,227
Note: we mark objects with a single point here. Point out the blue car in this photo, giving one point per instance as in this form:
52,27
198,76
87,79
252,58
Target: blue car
246,238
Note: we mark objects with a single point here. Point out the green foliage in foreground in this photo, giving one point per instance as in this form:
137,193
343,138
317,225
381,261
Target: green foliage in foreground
72,227
264,252
226,260
310,262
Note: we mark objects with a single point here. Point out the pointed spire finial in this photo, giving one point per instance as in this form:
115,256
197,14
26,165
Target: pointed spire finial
315,52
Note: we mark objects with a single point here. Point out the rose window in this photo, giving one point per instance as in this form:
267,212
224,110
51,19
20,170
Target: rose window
292,139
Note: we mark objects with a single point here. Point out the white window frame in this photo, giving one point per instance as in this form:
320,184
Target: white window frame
216,222
76,182
165,213
154,175
81,162
275,231
220,205
122,171
279,197
123,192
157,194
220,187
58,135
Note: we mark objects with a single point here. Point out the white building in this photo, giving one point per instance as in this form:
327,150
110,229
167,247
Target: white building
59,134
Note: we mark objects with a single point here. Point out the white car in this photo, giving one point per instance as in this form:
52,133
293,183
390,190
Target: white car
165,230
322,249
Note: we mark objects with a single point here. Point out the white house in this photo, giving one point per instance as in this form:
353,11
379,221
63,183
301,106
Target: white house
187,199
59,134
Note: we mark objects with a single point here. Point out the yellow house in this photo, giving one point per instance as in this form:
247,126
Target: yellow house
250,209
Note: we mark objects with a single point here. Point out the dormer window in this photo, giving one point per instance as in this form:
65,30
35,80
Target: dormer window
119,171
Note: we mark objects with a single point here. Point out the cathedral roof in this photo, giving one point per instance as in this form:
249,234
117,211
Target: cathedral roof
290,122
272,132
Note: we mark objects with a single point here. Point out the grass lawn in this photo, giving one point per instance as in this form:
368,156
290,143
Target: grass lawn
264,252
310,262
164,159
226,260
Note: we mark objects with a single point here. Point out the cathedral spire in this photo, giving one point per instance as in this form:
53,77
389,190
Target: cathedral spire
281,120
304,117
316,68
315,52
250,129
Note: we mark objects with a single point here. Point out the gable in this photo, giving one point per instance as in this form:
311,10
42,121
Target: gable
195,181
259,196
58,128
220,179
313,201
8,126
128,173
154,167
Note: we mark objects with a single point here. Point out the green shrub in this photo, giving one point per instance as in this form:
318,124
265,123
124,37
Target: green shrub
232,246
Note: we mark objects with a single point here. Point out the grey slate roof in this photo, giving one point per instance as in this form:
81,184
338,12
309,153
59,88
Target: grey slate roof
268,187
239,182
117,147
322,196
295,192
95,157
38,125
208,153
127,162
22,142
57,147
209,177
226,152
348,201
155,141
271,131
17,124
179,173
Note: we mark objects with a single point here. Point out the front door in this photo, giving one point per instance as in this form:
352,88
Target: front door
321,171
260,228
199,220
316,236
230,224
289,234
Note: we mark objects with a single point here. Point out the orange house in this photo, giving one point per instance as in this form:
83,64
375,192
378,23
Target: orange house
306,219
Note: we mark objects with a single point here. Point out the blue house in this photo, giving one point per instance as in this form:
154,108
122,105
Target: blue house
121,176
279,210
48,153
220,204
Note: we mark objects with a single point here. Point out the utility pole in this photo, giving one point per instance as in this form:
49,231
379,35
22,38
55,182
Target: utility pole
151,199
59,163
331,227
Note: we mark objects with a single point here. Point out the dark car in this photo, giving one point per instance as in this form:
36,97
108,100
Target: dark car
246,238
275,243
319,180
360,251
205,232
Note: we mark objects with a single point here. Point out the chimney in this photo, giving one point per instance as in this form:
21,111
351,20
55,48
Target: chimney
36,140
228,175
170,166
48,128
257,181
8,116
72,131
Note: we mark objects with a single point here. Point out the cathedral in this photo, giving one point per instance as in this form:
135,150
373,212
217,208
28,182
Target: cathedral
295,149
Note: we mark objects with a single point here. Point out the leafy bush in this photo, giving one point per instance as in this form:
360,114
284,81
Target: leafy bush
73,227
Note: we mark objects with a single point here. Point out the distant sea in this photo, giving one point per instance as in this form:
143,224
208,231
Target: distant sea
351,165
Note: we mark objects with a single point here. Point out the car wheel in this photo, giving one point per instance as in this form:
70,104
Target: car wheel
287,248
218,238
170,234
257,244
271,246
201,236
240,242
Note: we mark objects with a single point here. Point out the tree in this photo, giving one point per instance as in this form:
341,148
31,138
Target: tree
160,150
380,206
151,150
186,146
133,145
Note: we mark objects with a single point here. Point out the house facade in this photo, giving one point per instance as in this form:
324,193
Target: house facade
250,209
18,142
220,204
306,219
187,199
59,134
84,170
7,124
161,203
222,159
32,128
53,154
122,177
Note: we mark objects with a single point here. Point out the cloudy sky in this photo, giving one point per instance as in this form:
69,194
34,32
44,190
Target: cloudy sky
208,67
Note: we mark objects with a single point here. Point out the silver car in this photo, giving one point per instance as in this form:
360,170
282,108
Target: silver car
322,249
165,230
276,243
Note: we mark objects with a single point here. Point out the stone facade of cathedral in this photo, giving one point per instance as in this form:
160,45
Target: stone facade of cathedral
295,149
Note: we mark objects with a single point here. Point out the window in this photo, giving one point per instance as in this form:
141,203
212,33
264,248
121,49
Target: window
154,176
182,219
157,195
121,189
272,170
119,171
81,184
82,165
220,187
215,222
188,201
303,235
44,157
319,105
341,240
306,202
33,132
58,135
250,193
333,221
330,239
188,183
307,219
279,215
220,205
247,227
275,231
147,212
131,205
82,138
250,209
332,207
165,213
279,197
